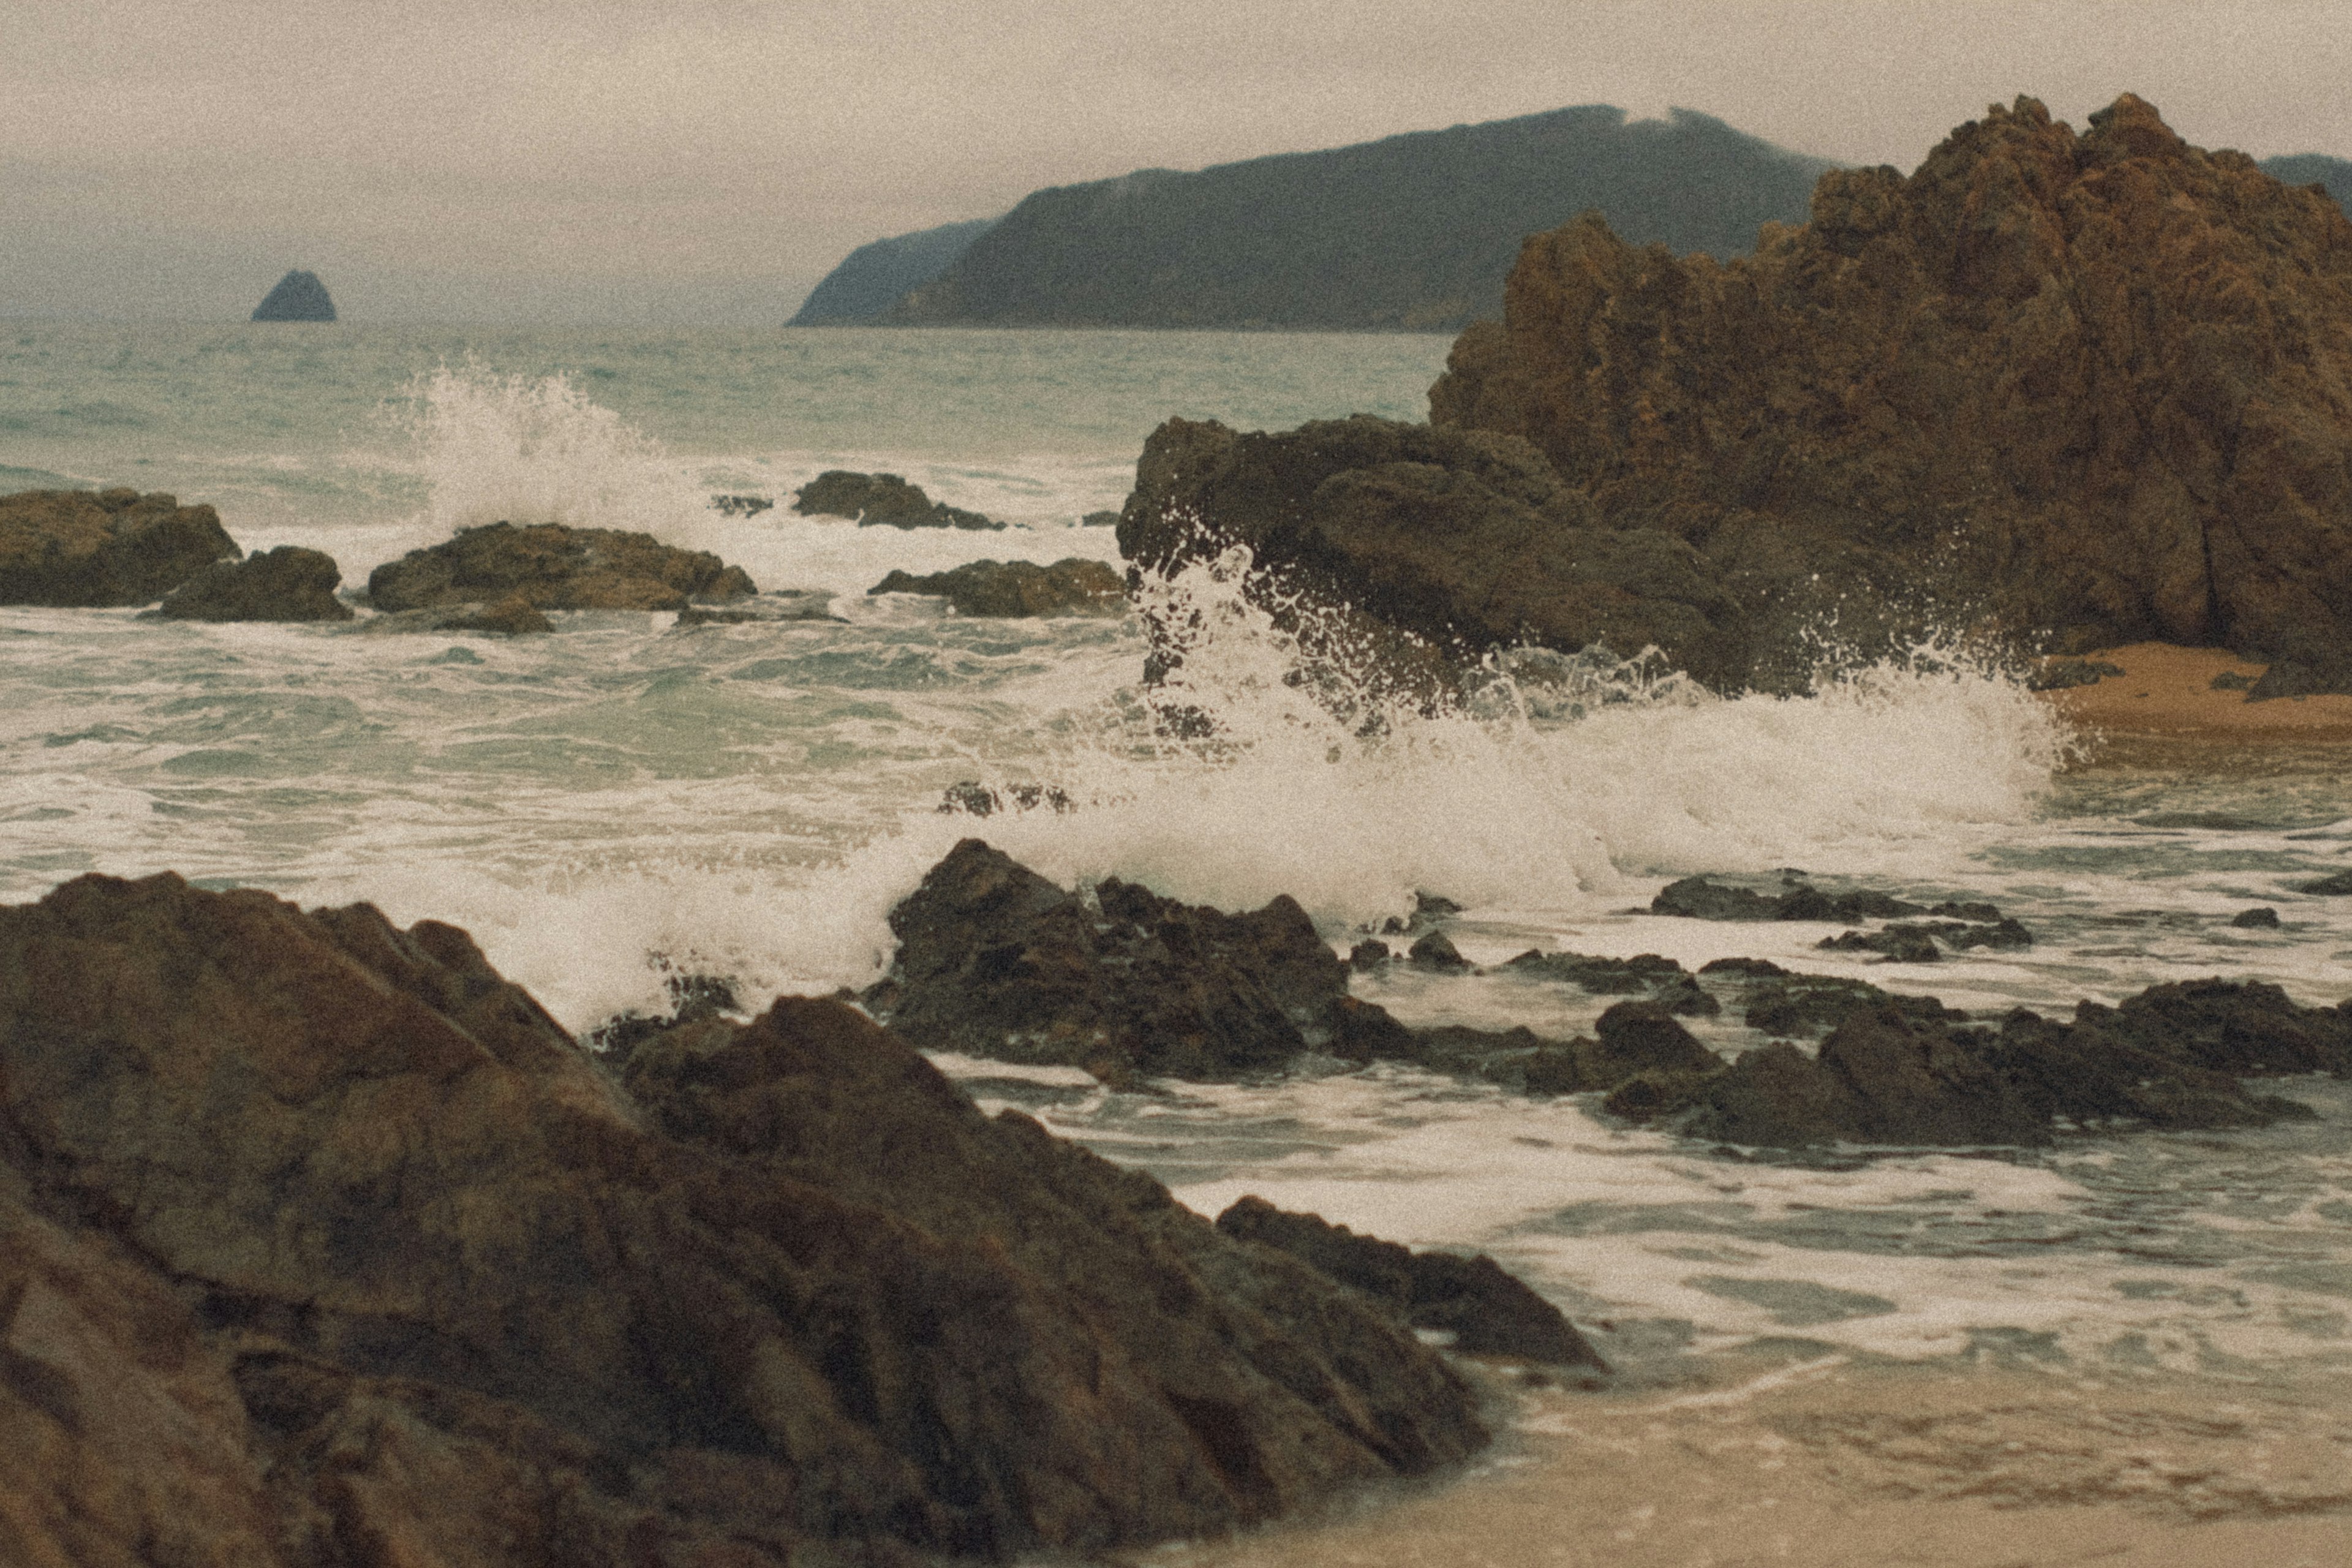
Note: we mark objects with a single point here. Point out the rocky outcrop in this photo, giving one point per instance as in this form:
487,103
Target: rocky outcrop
2080,390
881,501
870,278
1072,587
1465,539
1486,1310
298,297
548,566
288,583
324,1246
995,961
103,548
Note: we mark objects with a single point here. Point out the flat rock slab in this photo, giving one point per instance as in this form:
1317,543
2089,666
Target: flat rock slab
550,566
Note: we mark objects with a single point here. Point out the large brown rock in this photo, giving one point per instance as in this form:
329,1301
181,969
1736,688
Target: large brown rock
550,566
288,583
2075,389
1071,586
326,1247
1465,539
101,548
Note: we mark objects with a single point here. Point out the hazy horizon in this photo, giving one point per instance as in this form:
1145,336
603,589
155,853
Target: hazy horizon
706,163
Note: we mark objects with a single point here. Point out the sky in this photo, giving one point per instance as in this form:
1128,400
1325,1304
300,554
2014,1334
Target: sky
705,162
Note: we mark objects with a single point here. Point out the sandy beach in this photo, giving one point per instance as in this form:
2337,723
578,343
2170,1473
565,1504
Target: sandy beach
2170,691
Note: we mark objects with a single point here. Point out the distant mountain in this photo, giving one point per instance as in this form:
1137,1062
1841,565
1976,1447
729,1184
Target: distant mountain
870,279
2313,169
298,297
1415,232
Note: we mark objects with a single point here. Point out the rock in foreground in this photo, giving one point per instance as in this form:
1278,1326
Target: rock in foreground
550,566
1072,587
102,548
880,501
2089,389
325,1245
288,583
995,961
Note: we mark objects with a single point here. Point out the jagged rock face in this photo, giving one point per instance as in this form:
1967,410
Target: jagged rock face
1463,537
298,297
324,1246
2081,389
99,547
1072,587
288,583
548,566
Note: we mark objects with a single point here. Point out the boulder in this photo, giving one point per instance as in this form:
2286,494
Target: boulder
2078,390
550,566
324,1245
288,583
103,548
880,499
1073,586
297,297
1463,538
995,961
1487,1312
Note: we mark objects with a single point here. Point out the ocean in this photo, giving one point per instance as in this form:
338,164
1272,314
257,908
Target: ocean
2143,1340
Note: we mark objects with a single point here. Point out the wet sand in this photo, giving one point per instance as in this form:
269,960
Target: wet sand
2170,691
1831,1464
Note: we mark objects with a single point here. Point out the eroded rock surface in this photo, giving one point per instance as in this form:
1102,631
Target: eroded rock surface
92,549
881,501
324,1246
288,583
2084,390
551,566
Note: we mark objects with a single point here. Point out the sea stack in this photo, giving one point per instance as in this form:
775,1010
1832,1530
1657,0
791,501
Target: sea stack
298,297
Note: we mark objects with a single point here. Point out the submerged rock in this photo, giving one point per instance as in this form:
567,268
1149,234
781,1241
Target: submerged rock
550,566
297,297
1487,1312
995,961
314,1231
288,583
511,617
880,499
742,506
94,549
1073,586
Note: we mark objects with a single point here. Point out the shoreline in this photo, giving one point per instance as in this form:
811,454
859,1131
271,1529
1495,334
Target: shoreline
2167,692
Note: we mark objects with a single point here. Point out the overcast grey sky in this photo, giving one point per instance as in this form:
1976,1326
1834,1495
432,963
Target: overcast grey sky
707,161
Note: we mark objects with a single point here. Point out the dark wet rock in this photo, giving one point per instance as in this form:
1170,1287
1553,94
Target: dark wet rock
2335,886
324,1245
1702,898
779,607
1073,586
2247,1027
1799,1005
976,799
1367,955
1662,979
880,501
1496,1056
1361,1031
93,549
1435,952
1487,1312
1900,944
297,297
1462,539
1881,1077
995,961
1433,906
1653,1095
2260,918
693,997
2064,674
1100,519
742,506
2230,681
1743,968
1634,1039
288,583
2306,665
551,566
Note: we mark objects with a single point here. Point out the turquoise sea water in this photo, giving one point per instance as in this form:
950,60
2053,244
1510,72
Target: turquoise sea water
627,797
